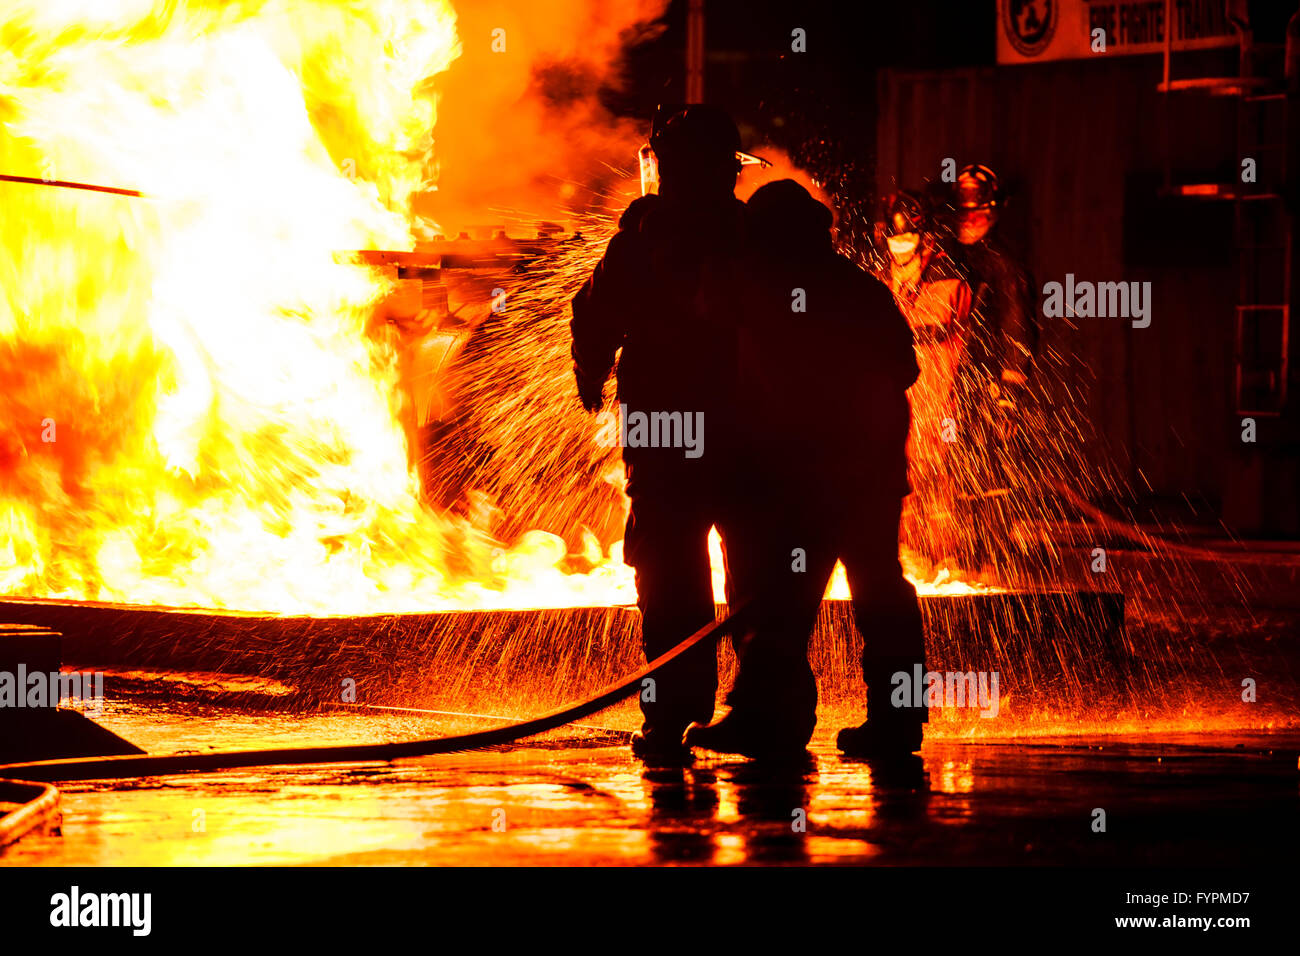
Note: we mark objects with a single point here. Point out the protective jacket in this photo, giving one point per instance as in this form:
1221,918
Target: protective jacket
825,389
665,293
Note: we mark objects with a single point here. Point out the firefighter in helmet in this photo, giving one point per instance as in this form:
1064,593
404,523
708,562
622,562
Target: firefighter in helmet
936,301
993,386
820,474
663,294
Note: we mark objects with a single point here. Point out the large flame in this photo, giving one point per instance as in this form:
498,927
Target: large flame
193,413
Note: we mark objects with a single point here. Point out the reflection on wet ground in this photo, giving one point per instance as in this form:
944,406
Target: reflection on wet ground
579,797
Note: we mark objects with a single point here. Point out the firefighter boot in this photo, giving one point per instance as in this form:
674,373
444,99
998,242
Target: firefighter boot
736,733
660,748
890,731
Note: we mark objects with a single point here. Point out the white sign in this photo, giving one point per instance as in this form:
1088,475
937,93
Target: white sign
1030,31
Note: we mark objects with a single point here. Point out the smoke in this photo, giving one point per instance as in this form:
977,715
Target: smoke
522,134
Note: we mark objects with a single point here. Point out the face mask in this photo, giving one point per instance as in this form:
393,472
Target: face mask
903,246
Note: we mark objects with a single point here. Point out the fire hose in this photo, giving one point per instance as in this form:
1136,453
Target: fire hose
148,765
38,803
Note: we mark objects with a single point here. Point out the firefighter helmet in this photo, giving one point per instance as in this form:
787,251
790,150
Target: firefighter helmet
977,188
906,211
697,131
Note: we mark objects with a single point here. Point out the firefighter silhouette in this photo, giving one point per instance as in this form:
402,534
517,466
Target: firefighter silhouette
663,293
819,474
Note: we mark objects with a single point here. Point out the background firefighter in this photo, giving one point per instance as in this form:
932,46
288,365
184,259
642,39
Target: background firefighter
821,473
663,294
936,301
993,387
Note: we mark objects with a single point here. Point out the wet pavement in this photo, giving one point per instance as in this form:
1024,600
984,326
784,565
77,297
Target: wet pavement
579,797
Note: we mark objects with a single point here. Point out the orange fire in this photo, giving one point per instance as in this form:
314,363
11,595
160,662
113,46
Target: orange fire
192,414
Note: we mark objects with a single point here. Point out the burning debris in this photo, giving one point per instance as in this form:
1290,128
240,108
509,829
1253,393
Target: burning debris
195,412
